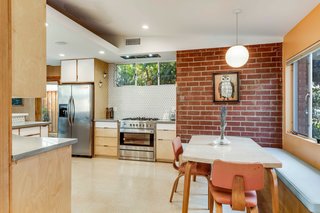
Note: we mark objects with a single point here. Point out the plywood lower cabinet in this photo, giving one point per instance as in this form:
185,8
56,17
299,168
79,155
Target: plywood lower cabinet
42,183
106,139
165,134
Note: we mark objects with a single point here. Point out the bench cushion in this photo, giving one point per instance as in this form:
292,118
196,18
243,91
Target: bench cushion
301,178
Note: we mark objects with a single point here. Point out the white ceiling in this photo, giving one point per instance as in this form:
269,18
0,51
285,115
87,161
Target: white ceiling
175,24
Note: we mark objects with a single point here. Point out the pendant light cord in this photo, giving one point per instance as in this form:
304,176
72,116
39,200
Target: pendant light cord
237,28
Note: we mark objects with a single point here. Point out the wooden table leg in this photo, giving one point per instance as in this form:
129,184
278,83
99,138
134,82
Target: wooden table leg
186,190
274,190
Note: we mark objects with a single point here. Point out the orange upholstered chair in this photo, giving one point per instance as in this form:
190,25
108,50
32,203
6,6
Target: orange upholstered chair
235,184
198,169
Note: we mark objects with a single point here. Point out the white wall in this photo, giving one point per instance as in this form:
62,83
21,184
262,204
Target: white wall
134,101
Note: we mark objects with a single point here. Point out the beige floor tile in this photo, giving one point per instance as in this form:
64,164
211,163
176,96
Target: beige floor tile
102,185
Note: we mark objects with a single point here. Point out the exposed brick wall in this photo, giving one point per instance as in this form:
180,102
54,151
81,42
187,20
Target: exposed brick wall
258,115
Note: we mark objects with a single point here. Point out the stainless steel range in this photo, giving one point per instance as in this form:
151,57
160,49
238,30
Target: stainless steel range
137,139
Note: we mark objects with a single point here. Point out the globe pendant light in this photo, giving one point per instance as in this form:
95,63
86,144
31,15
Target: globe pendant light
237,55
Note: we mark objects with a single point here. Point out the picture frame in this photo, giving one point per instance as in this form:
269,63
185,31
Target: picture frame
17,102
226,87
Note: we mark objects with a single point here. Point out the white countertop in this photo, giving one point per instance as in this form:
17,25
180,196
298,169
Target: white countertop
23,147
25,124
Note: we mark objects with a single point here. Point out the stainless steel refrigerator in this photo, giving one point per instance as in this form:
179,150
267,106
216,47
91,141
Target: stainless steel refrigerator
76,116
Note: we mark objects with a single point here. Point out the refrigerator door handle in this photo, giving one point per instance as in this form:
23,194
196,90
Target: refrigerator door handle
69,112
74,110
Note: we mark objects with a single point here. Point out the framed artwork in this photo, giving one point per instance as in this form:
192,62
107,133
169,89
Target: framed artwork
226,87
17,102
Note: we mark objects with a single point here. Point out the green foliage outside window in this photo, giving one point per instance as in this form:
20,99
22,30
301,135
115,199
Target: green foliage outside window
168,73
125,75
146,74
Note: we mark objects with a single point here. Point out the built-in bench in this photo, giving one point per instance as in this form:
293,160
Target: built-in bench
300,178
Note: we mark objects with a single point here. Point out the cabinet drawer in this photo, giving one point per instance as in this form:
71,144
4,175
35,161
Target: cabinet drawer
15,131
99,132
106,151
106,125
44,131
30,131
164,150
166,126
166,135
106,141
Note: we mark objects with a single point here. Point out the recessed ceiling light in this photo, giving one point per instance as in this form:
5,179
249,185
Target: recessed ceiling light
61,55
101,52
46,24
150,55
145,27
127,56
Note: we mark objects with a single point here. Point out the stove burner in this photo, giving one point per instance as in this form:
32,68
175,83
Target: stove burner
141,119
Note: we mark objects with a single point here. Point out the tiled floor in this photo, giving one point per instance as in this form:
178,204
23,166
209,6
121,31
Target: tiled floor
101,185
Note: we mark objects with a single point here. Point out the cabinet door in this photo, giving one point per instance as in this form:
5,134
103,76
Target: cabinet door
44,131
164,150
86,70
68,71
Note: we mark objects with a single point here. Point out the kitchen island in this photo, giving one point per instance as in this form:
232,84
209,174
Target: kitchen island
41,174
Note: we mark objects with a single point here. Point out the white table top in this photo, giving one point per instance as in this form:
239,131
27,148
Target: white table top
241,149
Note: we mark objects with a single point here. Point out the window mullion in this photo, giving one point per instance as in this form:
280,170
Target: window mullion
310,82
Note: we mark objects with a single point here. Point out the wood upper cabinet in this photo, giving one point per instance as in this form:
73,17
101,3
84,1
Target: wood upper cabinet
68,71
77,71
28,48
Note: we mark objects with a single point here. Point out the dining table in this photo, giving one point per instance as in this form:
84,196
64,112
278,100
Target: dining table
203,149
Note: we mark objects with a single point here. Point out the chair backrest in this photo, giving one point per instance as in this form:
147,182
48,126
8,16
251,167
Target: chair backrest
224,173
177,148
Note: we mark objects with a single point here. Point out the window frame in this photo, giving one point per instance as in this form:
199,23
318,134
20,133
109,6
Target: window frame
295,100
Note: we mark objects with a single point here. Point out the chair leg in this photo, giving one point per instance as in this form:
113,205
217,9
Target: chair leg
254,209
210,199
218,207
194,178
175,186
180,175
211,204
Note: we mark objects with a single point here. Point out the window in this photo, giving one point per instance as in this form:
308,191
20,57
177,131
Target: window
167,73
125,75
146,74
306,95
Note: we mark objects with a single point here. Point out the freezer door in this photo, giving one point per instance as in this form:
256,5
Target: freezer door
81,118
64,121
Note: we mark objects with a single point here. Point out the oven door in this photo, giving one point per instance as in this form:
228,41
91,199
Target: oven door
137,139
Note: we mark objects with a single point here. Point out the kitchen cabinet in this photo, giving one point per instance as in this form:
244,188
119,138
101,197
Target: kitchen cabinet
106,139
36,131
165,133
86,70
69,71
28,48
77,71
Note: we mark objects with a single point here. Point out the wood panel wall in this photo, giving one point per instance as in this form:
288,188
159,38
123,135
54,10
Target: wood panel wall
5,104
29,48
301,37
51,103
100,94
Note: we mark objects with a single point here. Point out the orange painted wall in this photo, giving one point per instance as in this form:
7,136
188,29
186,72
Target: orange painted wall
301,37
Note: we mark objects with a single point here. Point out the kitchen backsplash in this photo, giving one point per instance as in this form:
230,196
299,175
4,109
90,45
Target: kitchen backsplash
134,101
